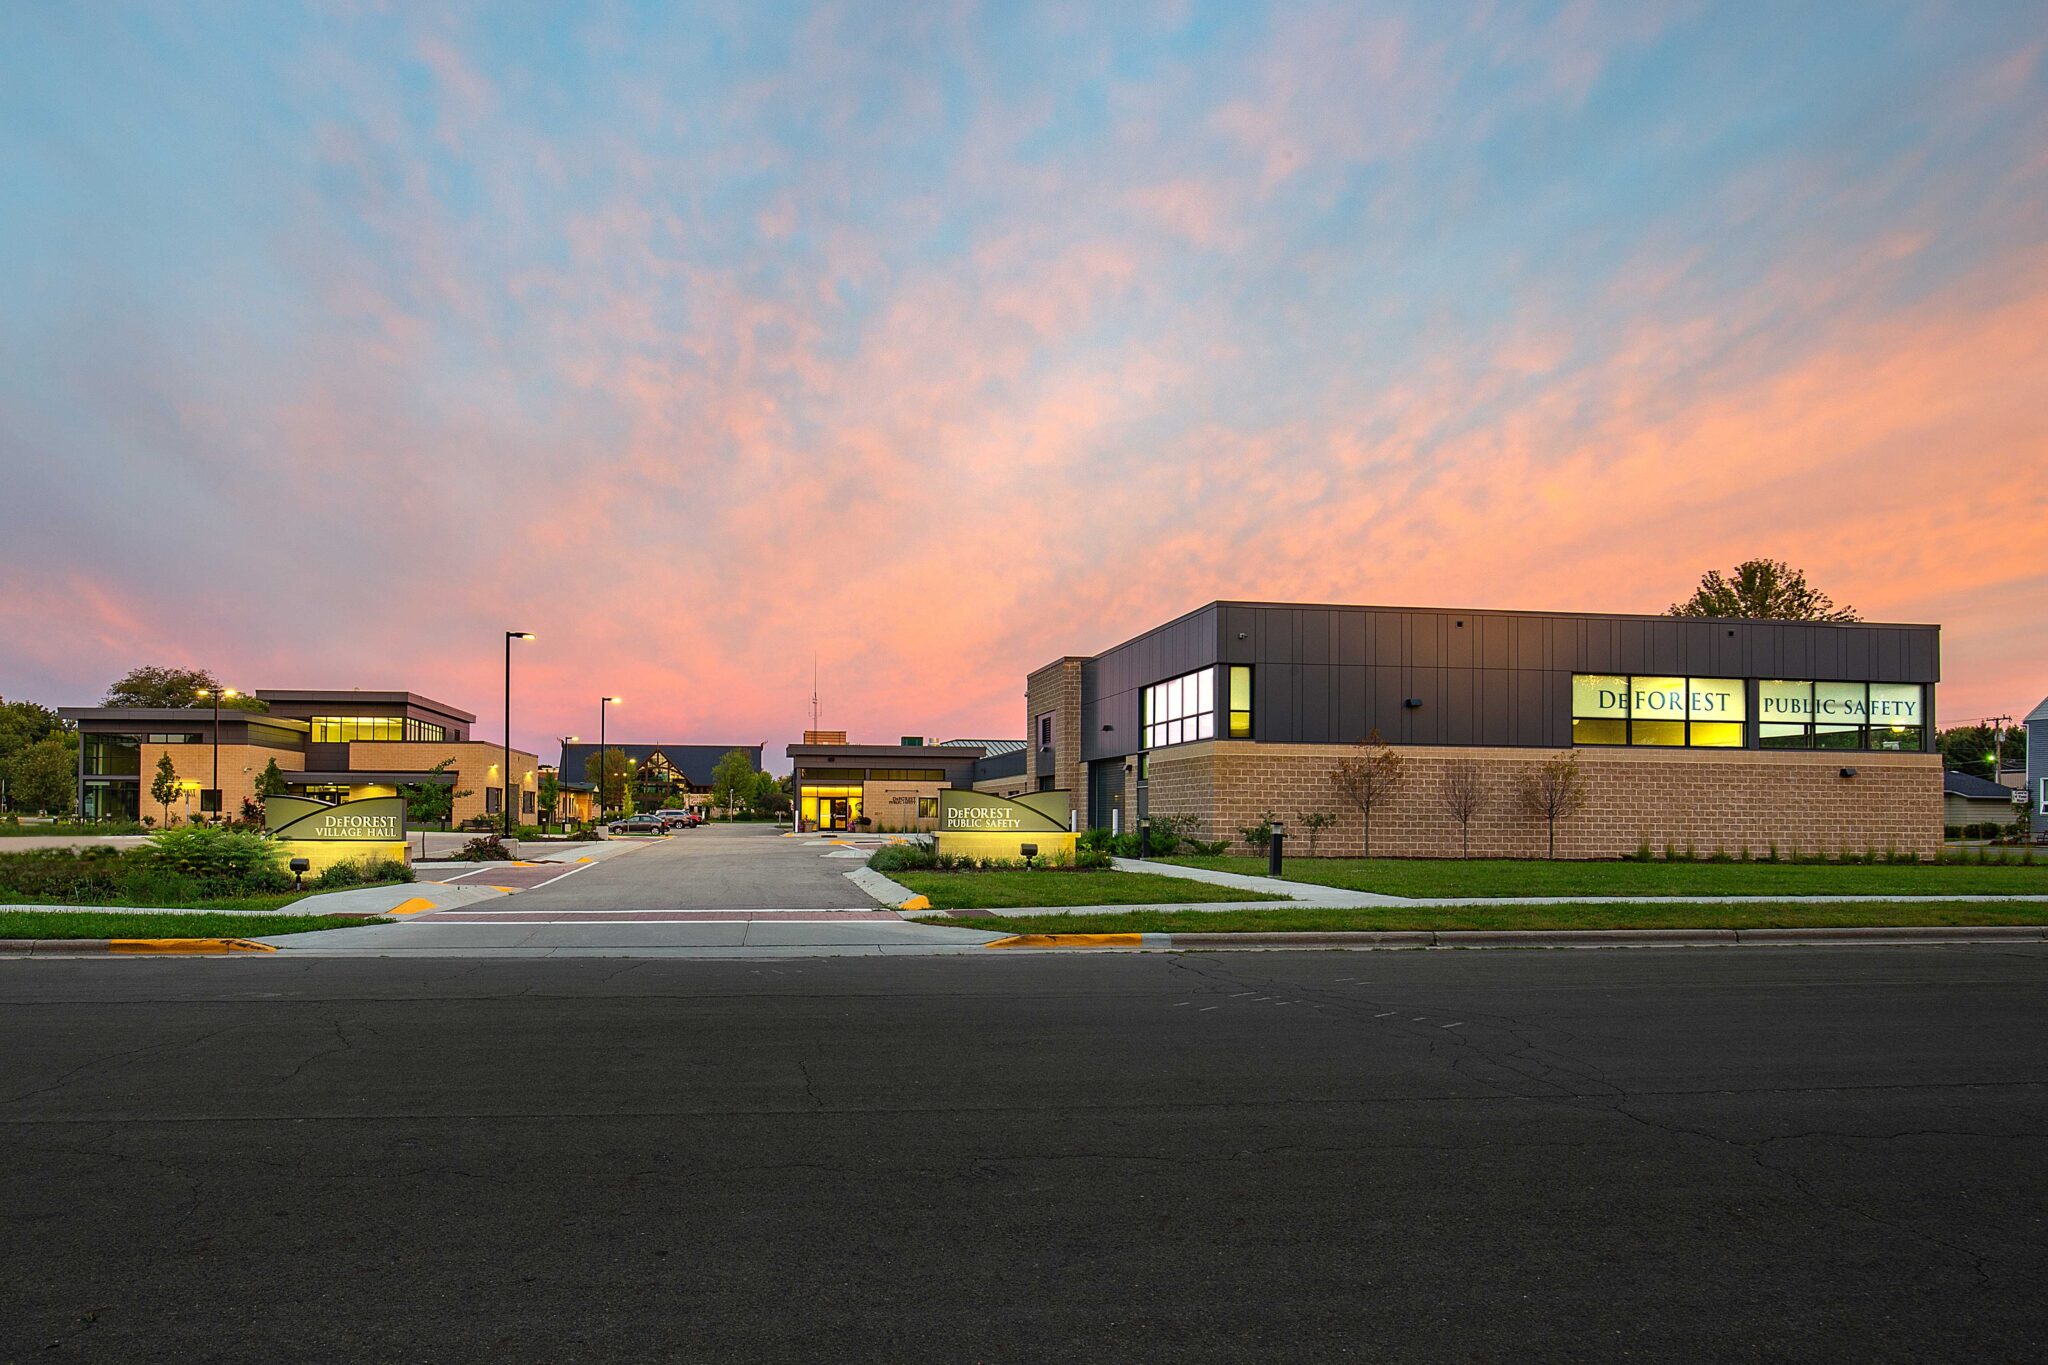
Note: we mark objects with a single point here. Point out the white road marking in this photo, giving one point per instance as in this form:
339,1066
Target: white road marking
1459,1024
1382,1016
580,867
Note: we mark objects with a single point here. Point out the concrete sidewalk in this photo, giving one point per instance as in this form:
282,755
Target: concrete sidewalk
1317,894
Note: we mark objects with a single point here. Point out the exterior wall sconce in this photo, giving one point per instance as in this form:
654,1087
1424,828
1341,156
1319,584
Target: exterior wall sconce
1413,703
1848,772
1107,728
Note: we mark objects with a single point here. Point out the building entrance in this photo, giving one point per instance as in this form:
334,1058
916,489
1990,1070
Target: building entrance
830,807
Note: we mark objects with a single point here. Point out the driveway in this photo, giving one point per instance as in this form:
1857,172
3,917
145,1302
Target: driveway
715,867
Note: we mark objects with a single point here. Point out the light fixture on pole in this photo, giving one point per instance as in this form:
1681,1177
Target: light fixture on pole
510,636
219,806
603,765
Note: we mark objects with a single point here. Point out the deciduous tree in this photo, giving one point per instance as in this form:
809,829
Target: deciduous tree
1368,779
150,686
1553,790
163,788
43,777
1761,589
1464,795
732,781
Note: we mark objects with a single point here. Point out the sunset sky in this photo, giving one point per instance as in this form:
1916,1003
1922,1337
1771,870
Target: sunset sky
941,340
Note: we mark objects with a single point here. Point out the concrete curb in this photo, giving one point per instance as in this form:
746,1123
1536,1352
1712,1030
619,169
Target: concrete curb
161,947
1538,938
893,894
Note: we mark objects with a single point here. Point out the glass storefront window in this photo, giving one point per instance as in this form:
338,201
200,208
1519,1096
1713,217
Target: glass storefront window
1599,731
1613,708
1839,715
357,729
112,756
1665,733
1716,734
1779,736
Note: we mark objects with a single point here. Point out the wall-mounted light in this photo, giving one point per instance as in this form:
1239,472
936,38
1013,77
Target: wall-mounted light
1413,703
1241,635
1848,772
1109,727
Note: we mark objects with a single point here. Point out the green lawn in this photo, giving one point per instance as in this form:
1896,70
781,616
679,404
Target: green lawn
113,924
253,903
1509,877
1006,888
1670,915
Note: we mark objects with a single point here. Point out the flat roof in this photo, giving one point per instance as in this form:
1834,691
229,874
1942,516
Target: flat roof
956,752
179,715
358,694
1482,611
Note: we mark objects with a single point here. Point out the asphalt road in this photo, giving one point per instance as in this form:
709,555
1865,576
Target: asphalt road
1751,1154
714,867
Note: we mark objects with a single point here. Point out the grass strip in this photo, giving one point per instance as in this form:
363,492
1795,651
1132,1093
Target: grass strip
1010,887
1677,915
1424,877
114,924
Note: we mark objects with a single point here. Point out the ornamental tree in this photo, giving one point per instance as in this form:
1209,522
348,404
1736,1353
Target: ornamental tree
1368,779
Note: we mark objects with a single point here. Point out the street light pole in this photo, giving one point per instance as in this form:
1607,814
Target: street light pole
510,636
219,806
603,765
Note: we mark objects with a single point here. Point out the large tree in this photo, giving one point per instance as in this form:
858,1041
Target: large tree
43,776
1967,748
611,786
732,781
150,686
1762,590
164,788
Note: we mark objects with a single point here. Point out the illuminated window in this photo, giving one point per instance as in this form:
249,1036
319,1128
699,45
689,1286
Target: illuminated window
1838,715
1179,711
1240,702
927,807
1658,712
356,729
427,731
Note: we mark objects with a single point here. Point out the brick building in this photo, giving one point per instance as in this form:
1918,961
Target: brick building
330,745
1693,734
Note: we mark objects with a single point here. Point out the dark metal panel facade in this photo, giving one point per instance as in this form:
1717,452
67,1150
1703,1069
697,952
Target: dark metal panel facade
1332,674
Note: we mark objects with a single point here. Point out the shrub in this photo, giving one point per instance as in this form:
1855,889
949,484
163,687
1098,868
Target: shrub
919,855
361,872
488,849
1095,838
1259,836
1209,848
583,834
231,860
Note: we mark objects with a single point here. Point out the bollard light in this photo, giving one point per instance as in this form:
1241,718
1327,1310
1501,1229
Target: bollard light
1029,851
300,866
1273,847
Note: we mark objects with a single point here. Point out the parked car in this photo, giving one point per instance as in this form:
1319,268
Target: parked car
679,819
638,824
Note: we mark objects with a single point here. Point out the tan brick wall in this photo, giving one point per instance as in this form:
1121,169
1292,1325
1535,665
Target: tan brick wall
240,766
1706,801
1056,688
893,805
476,768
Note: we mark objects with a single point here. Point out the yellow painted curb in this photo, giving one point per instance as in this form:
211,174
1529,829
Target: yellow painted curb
916,903
508,890
187,945
1068,941
413,906
586,860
